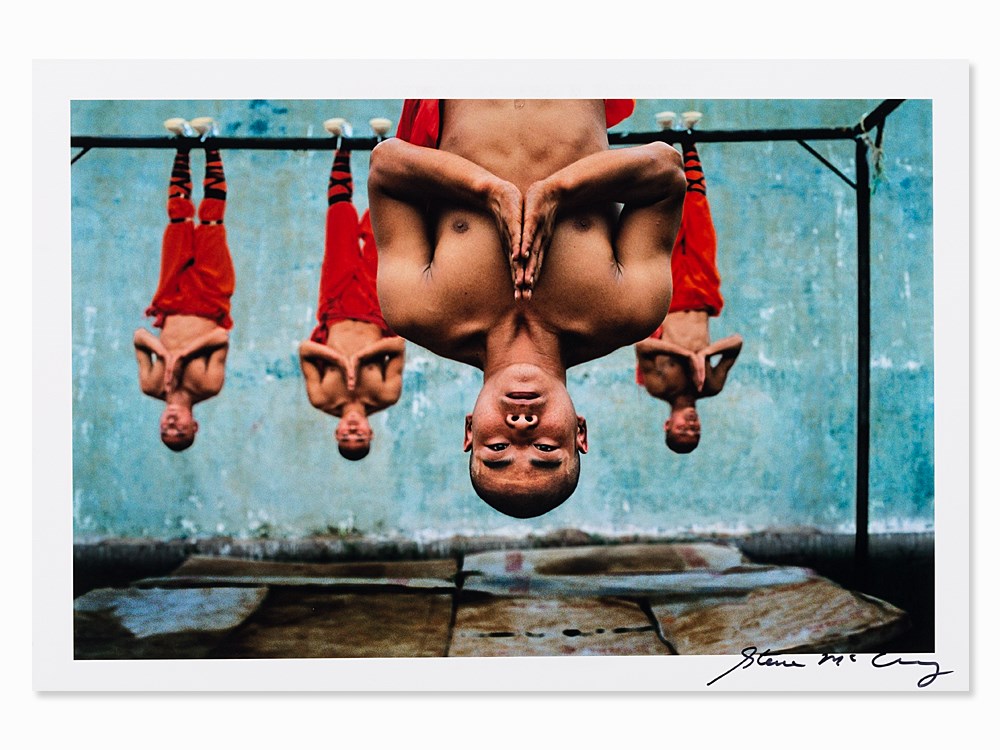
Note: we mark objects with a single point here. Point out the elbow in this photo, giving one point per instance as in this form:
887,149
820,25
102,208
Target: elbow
380,166
666,169
315,397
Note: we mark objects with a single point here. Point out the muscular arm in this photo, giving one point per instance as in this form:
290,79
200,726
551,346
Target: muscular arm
729,348
401,180
204,377
392,384
214,339
391,347
313,358
151,370
650,347
667,369
648,179
201,365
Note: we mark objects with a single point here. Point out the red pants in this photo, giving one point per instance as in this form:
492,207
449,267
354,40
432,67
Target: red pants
347,285
693,265
420,122
196,270
696,281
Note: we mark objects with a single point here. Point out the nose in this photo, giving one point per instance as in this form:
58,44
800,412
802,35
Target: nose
521,421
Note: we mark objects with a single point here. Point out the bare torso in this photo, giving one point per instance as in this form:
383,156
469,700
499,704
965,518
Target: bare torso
197,348
668,376
673,363
349,337
469,306
181,330
523,140
687,328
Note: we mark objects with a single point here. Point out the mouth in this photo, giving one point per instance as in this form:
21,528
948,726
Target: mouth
523,396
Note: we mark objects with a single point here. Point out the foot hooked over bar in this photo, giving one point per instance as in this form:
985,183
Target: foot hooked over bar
179,126
206,127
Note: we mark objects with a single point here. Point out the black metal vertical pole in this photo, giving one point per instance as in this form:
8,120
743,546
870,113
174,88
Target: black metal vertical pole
863,191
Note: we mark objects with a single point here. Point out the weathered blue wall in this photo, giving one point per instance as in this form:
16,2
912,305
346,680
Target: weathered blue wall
778,444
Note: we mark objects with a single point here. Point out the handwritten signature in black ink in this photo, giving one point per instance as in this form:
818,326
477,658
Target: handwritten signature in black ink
751,658
763,659
879,661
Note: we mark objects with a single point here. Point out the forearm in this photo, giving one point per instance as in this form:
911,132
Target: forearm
650,347
313,350
729,346
390,391
214,339
390,347
150,372
145,341
642,175
413,173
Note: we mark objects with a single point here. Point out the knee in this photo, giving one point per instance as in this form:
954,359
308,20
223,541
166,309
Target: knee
211,210
180,208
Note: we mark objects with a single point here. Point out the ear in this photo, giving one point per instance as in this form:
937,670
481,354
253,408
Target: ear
581,434
467,441
195,426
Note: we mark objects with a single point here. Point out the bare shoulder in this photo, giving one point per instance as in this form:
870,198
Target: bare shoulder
450,304
597,303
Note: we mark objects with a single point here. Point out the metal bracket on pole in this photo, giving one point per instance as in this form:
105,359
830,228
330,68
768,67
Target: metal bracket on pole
830,166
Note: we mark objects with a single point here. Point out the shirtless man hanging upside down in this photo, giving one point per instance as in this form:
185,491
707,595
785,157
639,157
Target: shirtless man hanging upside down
675,362
353,362
187,363
501,247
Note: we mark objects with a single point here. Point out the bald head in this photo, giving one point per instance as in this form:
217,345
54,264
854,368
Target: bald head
525,492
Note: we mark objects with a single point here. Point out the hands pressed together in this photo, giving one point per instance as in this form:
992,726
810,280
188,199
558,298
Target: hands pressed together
697,360
526,224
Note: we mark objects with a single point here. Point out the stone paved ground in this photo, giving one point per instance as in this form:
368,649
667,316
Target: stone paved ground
696,598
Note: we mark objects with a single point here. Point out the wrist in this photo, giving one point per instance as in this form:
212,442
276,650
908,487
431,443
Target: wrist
490,189
555,187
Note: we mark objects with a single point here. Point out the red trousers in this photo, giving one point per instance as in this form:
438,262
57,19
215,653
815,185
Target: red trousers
420,122
347,285
693,263
196,270
696,281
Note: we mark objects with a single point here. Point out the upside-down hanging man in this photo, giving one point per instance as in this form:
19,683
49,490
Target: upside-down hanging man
353,362
675,363
466,204
186,363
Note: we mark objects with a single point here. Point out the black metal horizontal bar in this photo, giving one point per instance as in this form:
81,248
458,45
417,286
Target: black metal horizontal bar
873,119
223,142
366,144
733,136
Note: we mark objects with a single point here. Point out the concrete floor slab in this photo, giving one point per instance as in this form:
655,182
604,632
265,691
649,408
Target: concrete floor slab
685,583
157,623
552,627
306,623
202,570
621,559
816,616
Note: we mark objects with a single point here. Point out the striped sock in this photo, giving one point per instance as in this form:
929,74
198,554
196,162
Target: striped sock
215,177
180,176
693,171
341,185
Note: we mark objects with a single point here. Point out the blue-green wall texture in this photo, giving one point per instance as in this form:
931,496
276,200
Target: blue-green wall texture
778,446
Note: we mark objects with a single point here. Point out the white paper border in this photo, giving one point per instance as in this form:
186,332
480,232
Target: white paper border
56,83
